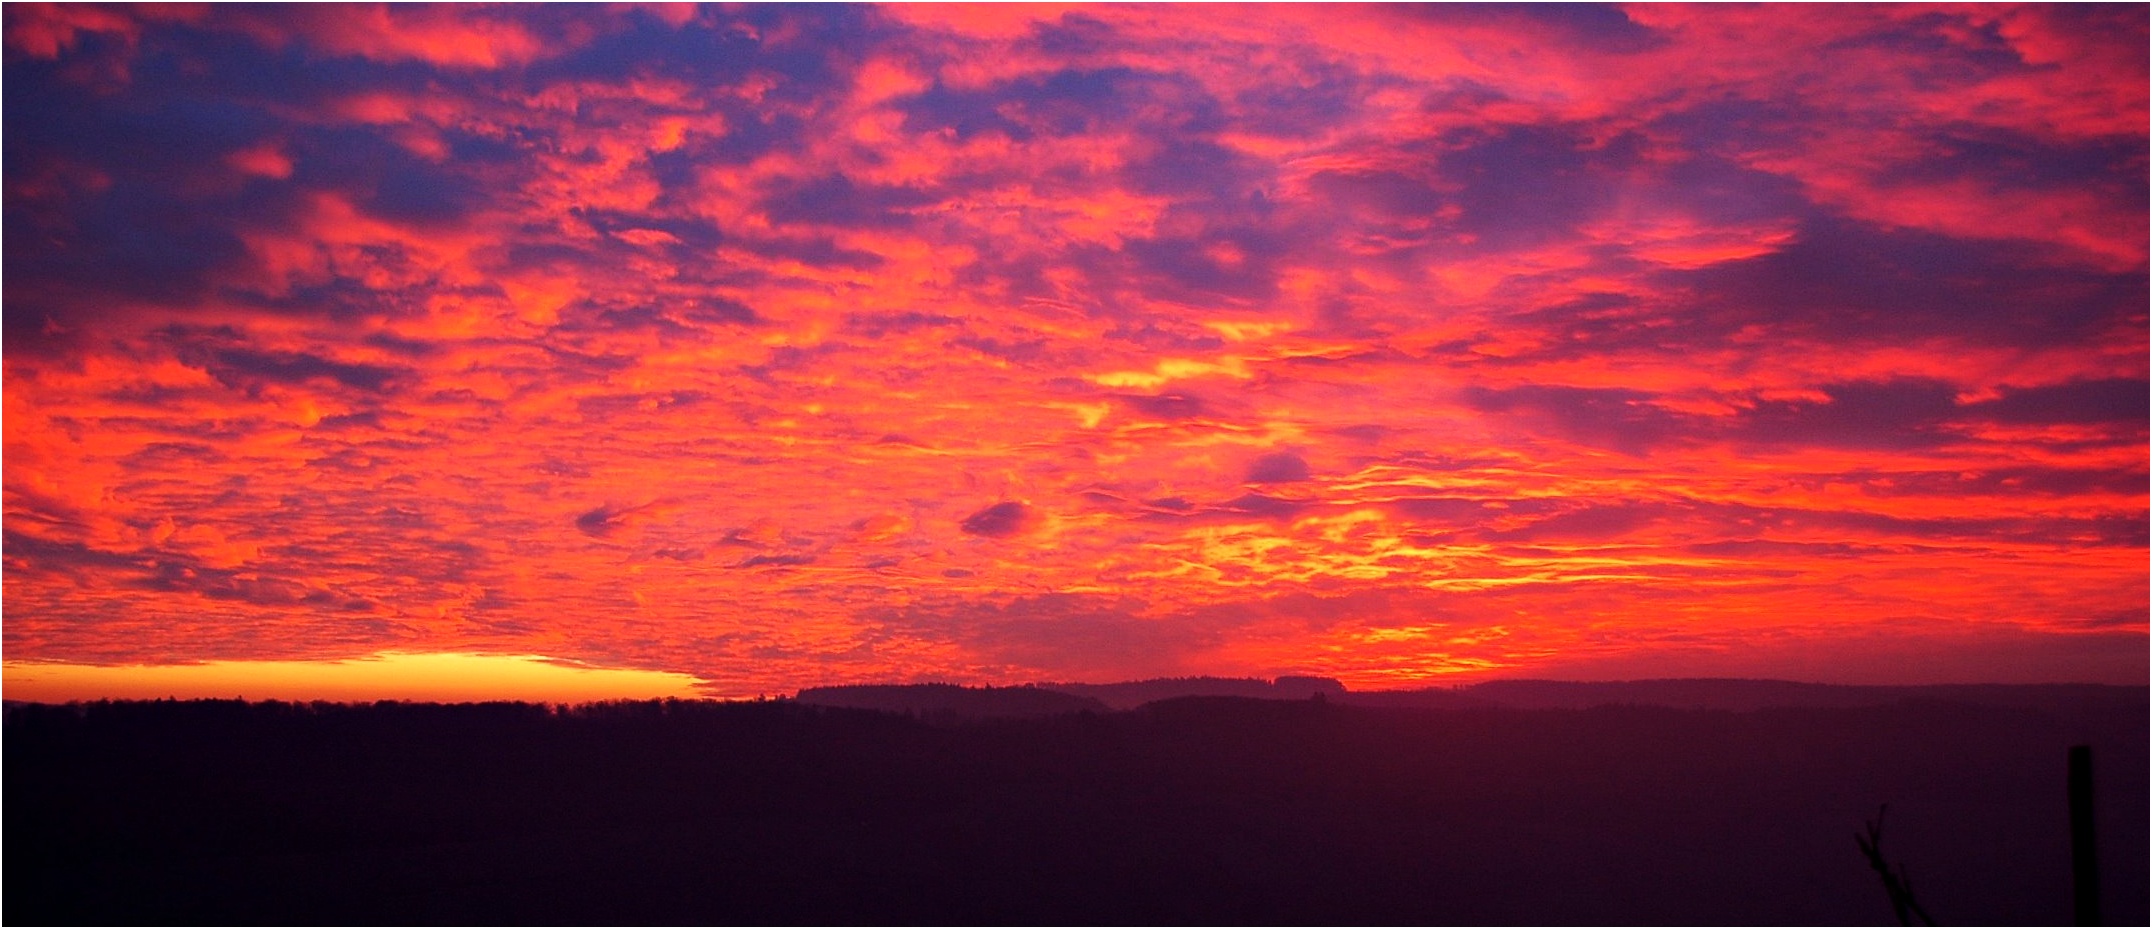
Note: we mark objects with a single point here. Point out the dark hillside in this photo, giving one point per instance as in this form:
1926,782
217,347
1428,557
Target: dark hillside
1131,694
1192,810
950,701
1736,694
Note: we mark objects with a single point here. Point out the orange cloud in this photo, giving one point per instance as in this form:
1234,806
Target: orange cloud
781,346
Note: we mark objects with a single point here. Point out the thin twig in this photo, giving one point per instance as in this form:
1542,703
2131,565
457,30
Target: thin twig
1895,881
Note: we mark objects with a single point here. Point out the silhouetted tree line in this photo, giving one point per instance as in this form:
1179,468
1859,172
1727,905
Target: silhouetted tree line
1189,810
950,702
1129,694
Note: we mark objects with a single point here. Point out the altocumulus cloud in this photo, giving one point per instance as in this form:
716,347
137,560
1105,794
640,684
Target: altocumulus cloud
1360,340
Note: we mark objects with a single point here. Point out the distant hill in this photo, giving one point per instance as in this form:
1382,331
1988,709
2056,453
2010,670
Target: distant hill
1725,694
1430,698
1743,695
1195,810
951,700
1131,694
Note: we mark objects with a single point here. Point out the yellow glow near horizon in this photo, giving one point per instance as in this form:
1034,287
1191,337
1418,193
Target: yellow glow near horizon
440,677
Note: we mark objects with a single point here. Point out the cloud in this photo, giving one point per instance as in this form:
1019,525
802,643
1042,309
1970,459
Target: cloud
443,37
781,561
1278,468
997,521
1099,637
609,519
1165,406
1627,420
239,367
2107,400
1368,341
1861,415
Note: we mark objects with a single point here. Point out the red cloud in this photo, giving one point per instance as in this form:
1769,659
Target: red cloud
994,343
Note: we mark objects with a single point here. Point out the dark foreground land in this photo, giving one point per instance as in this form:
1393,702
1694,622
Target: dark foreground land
1194,810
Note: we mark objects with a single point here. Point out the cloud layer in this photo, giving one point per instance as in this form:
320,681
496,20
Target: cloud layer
784,346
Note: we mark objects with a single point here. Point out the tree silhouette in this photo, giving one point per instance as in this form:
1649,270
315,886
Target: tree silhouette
1895,881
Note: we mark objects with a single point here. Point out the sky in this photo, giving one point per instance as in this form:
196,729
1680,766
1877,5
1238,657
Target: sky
758,348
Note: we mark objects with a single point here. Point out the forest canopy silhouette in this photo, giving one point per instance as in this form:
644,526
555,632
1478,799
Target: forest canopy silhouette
1191,809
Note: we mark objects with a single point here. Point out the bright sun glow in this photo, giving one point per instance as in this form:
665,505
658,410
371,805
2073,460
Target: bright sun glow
444,678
